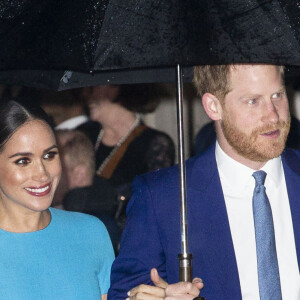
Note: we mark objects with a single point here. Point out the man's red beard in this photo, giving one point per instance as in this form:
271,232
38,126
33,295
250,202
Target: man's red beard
248,145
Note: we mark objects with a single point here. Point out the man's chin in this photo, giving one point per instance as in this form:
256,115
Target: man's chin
263,153
261,145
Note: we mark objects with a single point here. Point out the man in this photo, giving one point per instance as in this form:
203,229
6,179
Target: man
83,190
68,111
65,107
238,252
87,192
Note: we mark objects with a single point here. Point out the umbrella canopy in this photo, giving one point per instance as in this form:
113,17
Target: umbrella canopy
69,44
63,80
64,45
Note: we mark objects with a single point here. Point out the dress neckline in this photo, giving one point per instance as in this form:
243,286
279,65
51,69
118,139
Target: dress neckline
3,231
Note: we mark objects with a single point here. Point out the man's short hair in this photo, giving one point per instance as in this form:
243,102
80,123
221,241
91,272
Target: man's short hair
215,79
77,150
63,99
212,79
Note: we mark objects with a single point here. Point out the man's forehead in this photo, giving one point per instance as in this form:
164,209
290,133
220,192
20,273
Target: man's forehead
245,67
254,78
254,71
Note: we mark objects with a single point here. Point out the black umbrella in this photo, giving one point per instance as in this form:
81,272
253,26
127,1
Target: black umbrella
63,80
64,44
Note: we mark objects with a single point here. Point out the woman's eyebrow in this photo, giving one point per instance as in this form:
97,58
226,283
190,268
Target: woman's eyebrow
29,153
50,148
20,154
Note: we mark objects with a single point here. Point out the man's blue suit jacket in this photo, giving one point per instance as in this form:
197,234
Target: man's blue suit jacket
152,234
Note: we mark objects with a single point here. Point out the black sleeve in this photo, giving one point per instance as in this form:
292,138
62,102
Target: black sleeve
160,152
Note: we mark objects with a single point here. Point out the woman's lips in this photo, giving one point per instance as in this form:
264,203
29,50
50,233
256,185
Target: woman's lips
39,191
272,134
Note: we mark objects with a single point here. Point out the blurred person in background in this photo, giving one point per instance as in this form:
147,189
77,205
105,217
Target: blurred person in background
68,111
86,192
125,146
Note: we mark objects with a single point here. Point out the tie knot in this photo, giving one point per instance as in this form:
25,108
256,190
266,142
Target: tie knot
260,177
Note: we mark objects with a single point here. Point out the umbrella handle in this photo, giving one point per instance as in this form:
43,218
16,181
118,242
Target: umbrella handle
186,270
185,258
185,267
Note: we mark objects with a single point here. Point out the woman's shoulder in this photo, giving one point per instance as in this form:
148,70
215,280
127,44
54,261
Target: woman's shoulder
82,232
76,221
150,131
150,135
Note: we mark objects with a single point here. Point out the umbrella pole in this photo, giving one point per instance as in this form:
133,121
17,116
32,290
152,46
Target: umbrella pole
185,258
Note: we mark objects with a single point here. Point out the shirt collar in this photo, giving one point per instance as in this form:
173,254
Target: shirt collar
274,169
232,171
72,122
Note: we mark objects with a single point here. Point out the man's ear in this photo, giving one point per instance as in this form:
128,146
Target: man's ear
212,106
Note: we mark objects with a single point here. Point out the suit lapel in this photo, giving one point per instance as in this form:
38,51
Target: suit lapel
291,165
209,217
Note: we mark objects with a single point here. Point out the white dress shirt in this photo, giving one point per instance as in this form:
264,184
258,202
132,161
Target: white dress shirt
72,123
238,186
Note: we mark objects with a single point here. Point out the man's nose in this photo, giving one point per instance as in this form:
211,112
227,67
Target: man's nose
270,113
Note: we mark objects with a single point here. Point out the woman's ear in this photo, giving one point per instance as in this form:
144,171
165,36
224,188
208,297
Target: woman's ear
212,106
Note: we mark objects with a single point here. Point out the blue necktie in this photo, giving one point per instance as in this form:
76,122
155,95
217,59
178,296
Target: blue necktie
267,264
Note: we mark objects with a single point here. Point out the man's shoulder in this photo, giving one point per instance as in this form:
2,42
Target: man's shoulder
291,155
291,159
291,151
193,165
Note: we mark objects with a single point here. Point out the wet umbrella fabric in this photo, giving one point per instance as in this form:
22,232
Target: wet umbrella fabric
66,44
63,80
91,35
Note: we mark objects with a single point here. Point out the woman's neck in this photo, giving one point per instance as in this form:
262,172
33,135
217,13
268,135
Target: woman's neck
117,127
17,221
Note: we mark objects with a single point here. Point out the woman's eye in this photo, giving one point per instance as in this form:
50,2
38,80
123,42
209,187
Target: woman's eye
50,155
22,162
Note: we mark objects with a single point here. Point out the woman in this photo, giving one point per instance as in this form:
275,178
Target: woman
44,253
125,146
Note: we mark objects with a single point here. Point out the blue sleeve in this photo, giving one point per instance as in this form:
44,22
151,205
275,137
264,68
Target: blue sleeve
107,258
141,248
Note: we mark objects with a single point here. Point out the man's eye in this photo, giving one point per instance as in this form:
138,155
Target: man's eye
22,162
50,155
276,96
252,101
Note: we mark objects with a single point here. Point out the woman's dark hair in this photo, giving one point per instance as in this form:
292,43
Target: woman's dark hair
141,98
14,115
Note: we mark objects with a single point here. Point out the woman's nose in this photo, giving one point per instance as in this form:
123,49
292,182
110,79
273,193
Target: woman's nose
40,172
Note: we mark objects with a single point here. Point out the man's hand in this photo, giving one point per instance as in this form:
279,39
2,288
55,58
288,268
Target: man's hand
164,291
